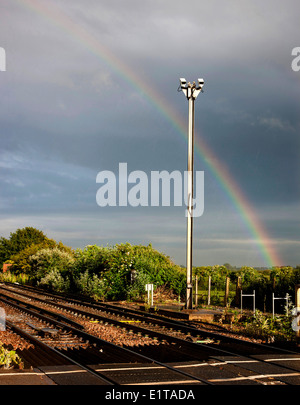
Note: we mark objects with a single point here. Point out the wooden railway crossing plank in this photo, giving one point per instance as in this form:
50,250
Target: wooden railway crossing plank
265,369
142,374
71,375
24,377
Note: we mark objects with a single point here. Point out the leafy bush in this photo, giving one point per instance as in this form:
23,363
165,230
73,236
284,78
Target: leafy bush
14,278
124,268
284,279
94,259
277,329
21,260
54,281
23,244
137,289
111,272
248,275
47,260
9,358
90,285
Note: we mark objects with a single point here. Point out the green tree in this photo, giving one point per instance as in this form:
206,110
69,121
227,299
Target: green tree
21,260
283,280
5,250
18,241
93,259
248,275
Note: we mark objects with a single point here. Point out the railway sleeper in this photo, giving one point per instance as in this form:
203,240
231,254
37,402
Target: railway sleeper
54,333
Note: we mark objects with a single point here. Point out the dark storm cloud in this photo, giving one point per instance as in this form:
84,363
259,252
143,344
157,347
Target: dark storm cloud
65,114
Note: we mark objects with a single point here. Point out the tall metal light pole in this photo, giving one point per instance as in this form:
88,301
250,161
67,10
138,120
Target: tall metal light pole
191,91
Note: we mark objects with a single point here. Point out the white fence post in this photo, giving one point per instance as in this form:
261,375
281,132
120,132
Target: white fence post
149,289
280,298
248,295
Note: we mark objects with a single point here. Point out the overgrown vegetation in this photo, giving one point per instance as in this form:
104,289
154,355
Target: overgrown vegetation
278,280
9,358
106,273
262,326
121,271
14,278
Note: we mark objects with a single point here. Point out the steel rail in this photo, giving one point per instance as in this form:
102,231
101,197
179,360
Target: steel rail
58,353
48,316
98,341
163,321
194,347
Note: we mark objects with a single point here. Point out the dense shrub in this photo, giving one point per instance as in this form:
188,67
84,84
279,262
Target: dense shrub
273,330
23,244
21,260
137,288
124,269
90,285
111,272
46,260
121,271
54,281
21,278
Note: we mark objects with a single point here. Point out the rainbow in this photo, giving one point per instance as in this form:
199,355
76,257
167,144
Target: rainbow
55,16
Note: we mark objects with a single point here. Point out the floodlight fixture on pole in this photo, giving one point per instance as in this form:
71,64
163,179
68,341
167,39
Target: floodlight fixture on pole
191,92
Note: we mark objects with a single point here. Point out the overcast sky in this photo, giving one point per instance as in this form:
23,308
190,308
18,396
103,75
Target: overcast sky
69,109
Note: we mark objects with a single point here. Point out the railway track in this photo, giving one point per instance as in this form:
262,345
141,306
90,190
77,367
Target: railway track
215,359
82,348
